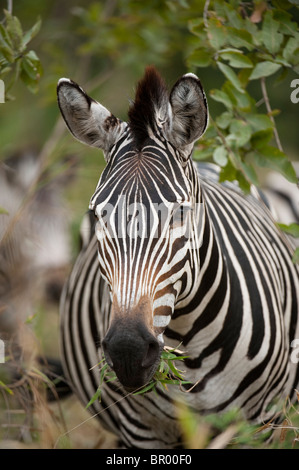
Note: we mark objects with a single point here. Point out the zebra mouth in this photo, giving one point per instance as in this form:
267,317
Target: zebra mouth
133,353
138,379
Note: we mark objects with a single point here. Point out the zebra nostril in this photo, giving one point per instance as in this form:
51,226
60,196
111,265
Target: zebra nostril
151,354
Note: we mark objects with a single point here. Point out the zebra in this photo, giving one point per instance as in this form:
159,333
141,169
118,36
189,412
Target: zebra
226,290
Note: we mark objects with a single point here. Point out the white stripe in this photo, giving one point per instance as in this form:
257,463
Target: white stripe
161,321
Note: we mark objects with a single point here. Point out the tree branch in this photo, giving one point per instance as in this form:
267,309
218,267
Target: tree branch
269,111
205,13
9,6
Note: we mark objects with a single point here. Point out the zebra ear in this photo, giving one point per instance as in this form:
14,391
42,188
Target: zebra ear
189,111
87,120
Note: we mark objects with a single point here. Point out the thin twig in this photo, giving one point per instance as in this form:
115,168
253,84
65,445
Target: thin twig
194,385
9,6
205,13
269,111
93,416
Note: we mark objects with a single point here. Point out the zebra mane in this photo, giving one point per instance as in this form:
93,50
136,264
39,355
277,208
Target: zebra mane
151,99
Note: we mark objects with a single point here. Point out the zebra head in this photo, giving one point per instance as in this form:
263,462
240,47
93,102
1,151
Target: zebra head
146,197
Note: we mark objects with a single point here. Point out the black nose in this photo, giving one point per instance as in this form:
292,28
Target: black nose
132,352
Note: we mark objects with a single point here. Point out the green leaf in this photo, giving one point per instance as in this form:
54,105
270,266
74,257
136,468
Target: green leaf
224,119
258,121
32,56
148,387
236,59
168,355
217,34
200,58
243,183
271,157
96,396
6,388
280,60
196,26
230,75
231,173
250,173
3,211
241,100
227,173
161,377
233,16
291,50
14,30
243,76
175,371
295,258
239,38
261,138
4,37
29,35
210,134
221,97
220,156
286,25
31,71
271,37
241,132
252,29
264,69
5,70
292,229
7,53
202,153
30,319
28,67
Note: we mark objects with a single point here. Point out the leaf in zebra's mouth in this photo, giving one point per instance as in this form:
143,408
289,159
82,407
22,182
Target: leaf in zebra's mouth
166,374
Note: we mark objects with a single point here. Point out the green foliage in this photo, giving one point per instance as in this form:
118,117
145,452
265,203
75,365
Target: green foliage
3,211
293,230
230,430
15,59
296,255
4,387
245,43
106,375
166,374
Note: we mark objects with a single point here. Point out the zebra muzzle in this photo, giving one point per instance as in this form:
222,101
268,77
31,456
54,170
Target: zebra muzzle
132,352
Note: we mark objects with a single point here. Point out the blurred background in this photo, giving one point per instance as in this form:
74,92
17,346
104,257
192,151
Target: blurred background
47,178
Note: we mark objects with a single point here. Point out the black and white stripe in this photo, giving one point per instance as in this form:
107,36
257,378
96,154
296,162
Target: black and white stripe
228,292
